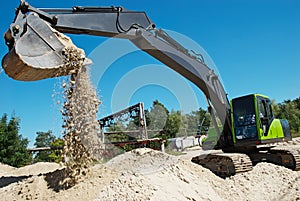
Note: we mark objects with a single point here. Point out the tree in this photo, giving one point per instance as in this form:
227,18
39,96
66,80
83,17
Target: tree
134,123
117,134
43,139
117,126
297,102
158,116
56,155
289,110
13,148
204,121
173,123
191,123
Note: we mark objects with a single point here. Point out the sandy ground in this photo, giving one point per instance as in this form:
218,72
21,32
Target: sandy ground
145,174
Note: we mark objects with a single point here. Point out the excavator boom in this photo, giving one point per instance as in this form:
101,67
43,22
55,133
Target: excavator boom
37,48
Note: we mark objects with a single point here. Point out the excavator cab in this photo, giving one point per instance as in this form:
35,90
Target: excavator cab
253,121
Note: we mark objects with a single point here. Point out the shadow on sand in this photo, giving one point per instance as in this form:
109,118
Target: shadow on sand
5,181
59,180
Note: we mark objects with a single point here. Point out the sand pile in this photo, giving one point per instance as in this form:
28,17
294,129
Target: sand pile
130,177
5,168
179,179
46,186
141,161
265,182
35,169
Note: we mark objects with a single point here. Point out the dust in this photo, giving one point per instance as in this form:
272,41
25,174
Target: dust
81,129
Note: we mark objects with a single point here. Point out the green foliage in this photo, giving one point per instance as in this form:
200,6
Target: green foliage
56,155
173,123
118,127
13,148
162,135
289,110
191,123
43,139
134,123
158,116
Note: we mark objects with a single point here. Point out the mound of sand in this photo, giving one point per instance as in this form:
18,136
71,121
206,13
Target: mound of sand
145,174
265,182
35,169
141,161
5,169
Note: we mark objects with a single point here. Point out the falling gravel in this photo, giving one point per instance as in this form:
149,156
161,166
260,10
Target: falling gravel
81,129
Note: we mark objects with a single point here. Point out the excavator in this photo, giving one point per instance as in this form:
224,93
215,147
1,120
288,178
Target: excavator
245,127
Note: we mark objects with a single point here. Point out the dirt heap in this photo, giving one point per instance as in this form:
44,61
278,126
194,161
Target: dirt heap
152,175
141,161
145,174
38,168
266,182
45,186
4,169
176,178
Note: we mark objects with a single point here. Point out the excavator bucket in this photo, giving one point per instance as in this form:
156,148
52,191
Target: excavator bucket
37,51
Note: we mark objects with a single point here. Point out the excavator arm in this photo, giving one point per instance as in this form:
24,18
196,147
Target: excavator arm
37,48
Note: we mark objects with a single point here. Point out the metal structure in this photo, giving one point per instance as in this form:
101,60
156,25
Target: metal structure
44,148
135,111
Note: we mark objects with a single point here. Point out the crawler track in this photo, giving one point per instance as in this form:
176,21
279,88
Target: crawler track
225,164
296,155
287,157
228,164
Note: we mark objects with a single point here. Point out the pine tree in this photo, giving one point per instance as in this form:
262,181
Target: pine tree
43,139
13,148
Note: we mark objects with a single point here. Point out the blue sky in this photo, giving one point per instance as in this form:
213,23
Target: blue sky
254,44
